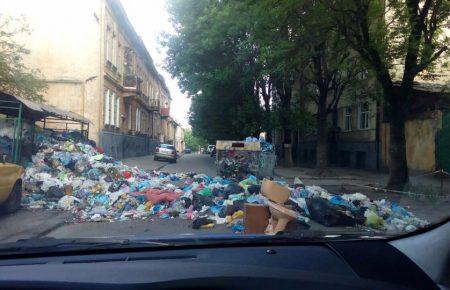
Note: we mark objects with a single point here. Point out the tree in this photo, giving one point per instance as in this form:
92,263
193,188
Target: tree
15,78
213,61
194,142
405,32
330,68
297,44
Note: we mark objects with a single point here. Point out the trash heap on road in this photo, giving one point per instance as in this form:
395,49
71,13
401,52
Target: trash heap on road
70,175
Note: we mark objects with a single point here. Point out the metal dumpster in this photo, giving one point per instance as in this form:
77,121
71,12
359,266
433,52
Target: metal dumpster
267,162
237,159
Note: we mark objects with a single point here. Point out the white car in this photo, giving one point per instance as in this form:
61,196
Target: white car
210,148
166,152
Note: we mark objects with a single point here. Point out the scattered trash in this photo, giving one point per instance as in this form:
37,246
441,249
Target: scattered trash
70,175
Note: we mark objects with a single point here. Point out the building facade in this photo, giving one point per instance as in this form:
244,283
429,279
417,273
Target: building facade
358,134
96,65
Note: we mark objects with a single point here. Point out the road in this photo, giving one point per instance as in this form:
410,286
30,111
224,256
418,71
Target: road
199,163
55,223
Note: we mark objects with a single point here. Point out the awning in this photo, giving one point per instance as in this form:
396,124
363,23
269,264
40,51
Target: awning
35,111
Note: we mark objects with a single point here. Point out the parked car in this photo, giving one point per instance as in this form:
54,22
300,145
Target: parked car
210,149
166,152
10,185
187,150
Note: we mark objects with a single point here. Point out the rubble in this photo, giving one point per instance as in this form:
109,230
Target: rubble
70,175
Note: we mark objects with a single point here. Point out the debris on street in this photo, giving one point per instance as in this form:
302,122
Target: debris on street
238,159
71,175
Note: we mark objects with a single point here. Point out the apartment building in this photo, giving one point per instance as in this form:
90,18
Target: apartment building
96,65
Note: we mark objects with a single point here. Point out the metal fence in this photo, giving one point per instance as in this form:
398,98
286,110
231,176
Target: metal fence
120,145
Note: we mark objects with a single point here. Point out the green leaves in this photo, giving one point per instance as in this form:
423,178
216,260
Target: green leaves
15,77
213,60
194,142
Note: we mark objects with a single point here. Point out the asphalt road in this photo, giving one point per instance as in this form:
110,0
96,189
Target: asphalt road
194,162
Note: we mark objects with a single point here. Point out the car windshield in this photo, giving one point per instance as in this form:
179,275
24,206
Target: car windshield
219,120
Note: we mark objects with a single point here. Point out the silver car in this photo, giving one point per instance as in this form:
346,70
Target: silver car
166,152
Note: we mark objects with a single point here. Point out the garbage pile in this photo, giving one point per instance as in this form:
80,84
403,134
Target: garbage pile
238,164
265,146
70,175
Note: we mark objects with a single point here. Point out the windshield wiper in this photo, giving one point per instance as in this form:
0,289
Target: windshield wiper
53,244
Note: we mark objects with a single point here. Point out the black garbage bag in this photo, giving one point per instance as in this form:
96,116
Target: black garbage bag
219,192
328,214
233,188
55,192
201,221
186,201
199,200
254,189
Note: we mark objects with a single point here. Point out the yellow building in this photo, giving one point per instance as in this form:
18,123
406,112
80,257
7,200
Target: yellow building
359,131
96,65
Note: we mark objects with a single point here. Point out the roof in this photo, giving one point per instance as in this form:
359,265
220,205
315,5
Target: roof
36,111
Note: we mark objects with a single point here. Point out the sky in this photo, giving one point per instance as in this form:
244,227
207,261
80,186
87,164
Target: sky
150,18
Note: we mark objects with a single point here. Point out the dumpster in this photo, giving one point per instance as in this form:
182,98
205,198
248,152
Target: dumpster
267,162
237,159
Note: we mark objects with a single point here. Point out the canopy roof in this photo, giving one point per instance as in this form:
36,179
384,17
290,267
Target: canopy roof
36,111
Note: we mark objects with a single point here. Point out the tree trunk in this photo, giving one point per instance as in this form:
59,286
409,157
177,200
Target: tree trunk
322,146
398,168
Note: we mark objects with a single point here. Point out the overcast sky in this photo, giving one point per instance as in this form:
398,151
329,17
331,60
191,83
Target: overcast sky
150,18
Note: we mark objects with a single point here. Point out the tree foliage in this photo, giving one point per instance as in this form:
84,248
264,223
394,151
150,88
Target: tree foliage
212,60
194,142
243,61
15,78
398,39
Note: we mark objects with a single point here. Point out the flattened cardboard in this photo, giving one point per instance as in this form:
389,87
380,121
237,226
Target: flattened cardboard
256,218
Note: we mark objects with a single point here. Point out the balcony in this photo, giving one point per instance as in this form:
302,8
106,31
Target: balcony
165,112
132,83
154,104
144,98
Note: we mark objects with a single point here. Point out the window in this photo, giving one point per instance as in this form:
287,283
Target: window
347,119
108,43
107,107
113,49
112,109
363,116
112,116
138,120
129,117
117,112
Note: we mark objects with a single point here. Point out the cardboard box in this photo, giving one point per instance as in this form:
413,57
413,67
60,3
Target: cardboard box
274,191
256,218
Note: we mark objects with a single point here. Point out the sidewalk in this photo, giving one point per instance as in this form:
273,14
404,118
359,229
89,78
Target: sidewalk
337,176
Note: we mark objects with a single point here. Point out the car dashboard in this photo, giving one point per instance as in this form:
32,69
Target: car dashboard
369,264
